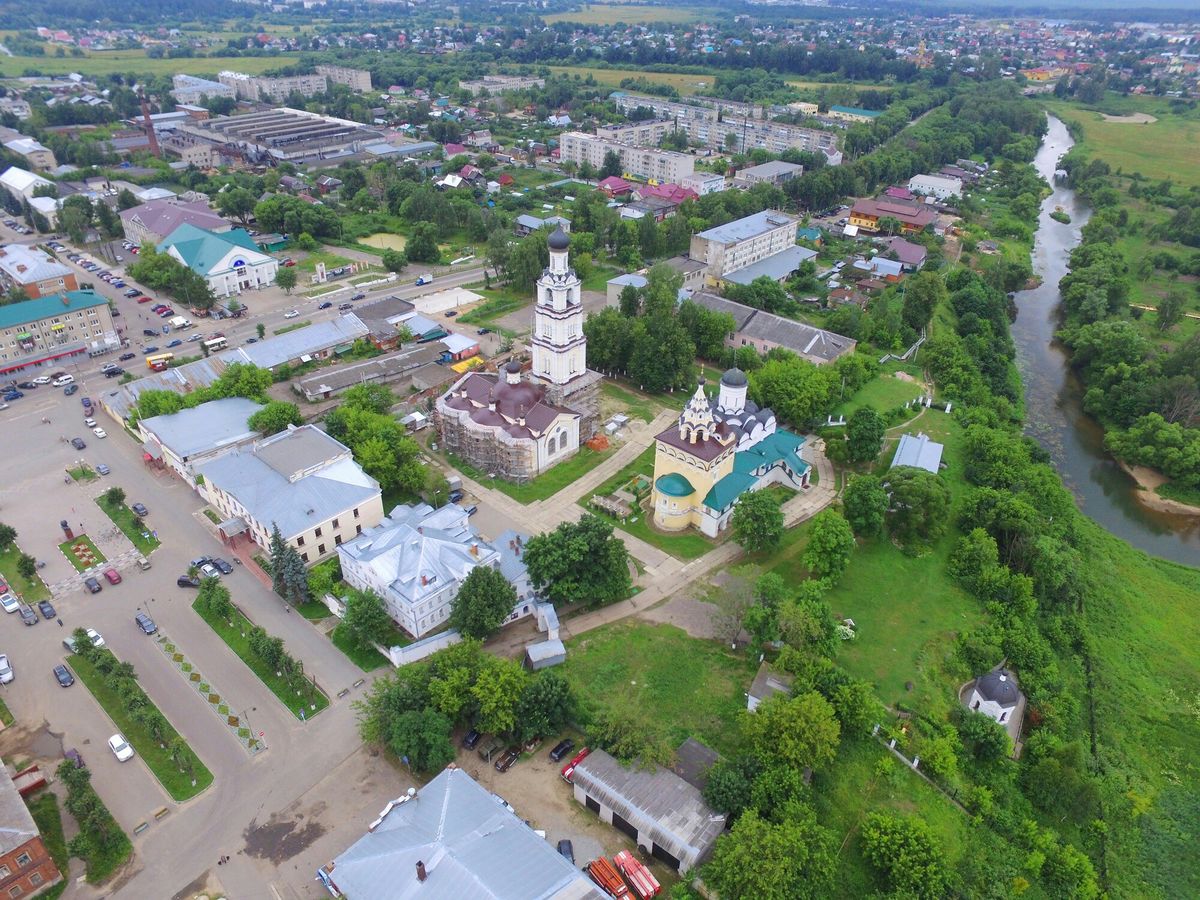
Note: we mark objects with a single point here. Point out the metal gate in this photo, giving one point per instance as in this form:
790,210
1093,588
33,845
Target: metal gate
622,825
659,853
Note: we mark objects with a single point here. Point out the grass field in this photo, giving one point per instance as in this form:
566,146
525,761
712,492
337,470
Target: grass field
497,304
1162,149
368,660
308,262
620,400
178,784
883,393
124,519
44,807
685,84
611,13
31,590
80,566
688,687
545,485
135,62
235,637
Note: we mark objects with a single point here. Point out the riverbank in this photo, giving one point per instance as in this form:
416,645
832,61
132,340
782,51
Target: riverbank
1149,481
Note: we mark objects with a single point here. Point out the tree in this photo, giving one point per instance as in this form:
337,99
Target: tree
213,597
546,706
8,536
1170,310
864,434
126,200
422,244
285,278
983,736
798,391
611,165
395,260
830,543
579,562
920,506
366,618
26,567
728,785
236,203
422,739
376,398
278,551
923,292
801,732
497,691
758,860
276,416
865,504
907,855
260,329
484,600
757,521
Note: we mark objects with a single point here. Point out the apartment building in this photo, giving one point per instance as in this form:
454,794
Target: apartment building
192,90
53,329
639,162
704,183
647,133
663,108
735,246
355,79
302,481
496,84
26,869
37,155
274,89
34,271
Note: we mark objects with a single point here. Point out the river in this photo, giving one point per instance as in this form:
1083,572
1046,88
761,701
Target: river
1053,397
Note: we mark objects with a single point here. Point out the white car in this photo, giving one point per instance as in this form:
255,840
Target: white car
120,748
10,603
62,380
93,635
42,379
89,422
292,314
6,672
208,570
99,432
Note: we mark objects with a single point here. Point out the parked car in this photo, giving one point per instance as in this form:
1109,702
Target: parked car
144,299
325,305
471,510
566,849
145,623
140,509
70,389
120,748
222,566
132,292
10,602
27,386
345,306
102,469
561,749
42,379
471,738
6,669
200,561
209,571
569,769
174,343
292,314
505,762
187,581
92,584
63,676
125,357
13,395
93,635
28,616
46,608
455,495
490,749
451,313
153,348
359,296
78,443
484,331
149,332
99,432
112,576
113,372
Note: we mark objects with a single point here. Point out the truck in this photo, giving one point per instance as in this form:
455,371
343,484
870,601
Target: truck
181,322
601,871
637,876
427,278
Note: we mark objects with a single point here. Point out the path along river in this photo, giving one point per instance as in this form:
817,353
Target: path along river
1053,396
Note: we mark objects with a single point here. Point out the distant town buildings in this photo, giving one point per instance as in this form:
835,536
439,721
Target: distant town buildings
283,134
274,88
355,79
497,84
34,271
195,90
638,162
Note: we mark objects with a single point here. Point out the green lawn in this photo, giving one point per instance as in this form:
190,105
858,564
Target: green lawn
235,635
313,610
31,590
619,399
308,263
178,784
125,519
368,660
546,485
686,686
612,78
883,393
598,278
135,62
83,473
6,715
44,807
67,548
497,305
293,326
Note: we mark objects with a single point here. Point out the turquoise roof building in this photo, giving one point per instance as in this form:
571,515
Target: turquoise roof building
230,261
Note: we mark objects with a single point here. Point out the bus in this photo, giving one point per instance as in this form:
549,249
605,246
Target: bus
215,344
159,361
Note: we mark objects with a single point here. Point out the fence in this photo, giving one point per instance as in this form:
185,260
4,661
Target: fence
402,656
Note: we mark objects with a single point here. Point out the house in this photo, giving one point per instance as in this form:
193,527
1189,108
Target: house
453,149
21,183
505,180
656,208
36,155
34,271
654,806
451,840
385,320
229,261
675,193
417,558
764,331
768,683
775,172
459,346
614,186
998,696
886,270
940,186
329,381
193,437
910,256
919,452
327,184
617,285
704,182
866,215
900,193
26,868
151,222
302,481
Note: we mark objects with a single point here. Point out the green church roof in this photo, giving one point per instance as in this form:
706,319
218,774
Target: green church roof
674,485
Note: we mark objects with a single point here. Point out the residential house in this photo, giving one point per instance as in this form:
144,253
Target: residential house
704,182
229,261
867,215
26,869
300,480
764,331
656,208
614,186
385,320
192,437
910,256
34,271
327,184
767,683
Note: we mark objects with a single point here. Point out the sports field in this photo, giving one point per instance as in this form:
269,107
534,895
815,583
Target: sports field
1164,148
611,13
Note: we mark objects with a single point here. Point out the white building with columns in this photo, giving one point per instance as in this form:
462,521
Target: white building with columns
516,424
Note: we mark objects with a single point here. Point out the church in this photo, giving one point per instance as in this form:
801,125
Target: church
516,424
719,449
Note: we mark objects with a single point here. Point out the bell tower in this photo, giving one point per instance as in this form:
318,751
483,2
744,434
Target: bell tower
558,342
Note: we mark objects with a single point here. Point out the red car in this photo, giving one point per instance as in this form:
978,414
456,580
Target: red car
289,262
113,576
144,299
569,769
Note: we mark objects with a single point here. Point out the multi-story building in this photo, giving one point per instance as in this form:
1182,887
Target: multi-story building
152,221
193,90
230,261
26,869
188,439
663,108
496,84
34,152
704,183
355,79
21,183
303,482
274,88
943,187
775,172
52,329
417,558
34,271
736,245
853,114
647,133
638,162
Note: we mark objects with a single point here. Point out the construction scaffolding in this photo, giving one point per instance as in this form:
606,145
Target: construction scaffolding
580,395
490,449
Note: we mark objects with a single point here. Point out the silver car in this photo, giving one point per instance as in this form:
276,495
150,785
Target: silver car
6,671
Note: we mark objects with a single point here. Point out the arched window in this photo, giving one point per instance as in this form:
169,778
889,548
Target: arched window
552,444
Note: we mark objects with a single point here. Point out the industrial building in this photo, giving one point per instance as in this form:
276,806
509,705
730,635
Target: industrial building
191,89
283,134
639,162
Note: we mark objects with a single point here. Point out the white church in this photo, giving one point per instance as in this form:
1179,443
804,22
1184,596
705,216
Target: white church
516,424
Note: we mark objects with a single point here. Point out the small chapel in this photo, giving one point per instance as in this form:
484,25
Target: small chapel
516,424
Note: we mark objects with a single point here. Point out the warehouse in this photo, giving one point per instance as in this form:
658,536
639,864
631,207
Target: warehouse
286,134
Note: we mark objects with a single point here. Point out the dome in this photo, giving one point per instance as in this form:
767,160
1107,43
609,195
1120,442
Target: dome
558,239
734,378
674,485
513,366
1000,687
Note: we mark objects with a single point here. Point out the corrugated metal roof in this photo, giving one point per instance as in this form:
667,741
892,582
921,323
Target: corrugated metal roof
919,452
204,427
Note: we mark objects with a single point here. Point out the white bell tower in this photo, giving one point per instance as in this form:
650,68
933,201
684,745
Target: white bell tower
559,346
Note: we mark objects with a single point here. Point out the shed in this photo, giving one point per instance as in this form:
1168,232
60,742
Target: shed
767,683
919,452
544,654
